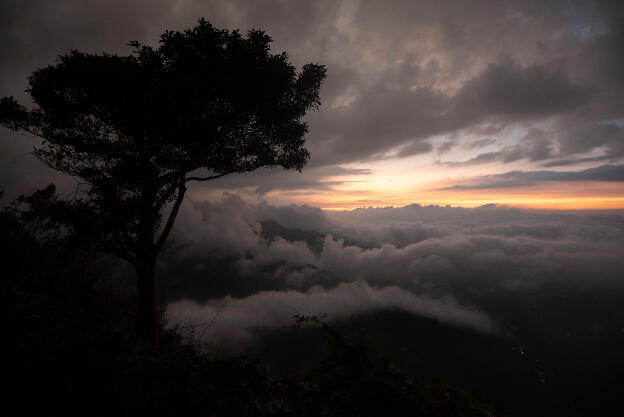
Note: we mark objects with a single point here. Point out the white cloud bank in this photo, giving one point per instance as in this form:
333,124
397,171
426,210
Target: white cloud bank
412,258
235,319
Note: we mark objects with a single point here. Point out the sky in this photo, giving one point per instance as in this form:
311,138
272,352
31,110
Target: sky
467,168
457,103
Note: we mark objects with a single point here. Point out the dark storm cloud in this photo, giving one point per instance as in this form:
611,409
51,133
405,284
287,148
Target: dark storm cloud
33,33
505,75
445,147
573,161
508,90
536,145
381,119
398,72
572,139
525,178
583,138
479,143
437,262
384,117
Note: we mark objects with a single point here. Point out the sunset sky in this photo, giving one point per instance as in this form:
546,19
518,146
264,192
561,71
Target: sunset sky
464,199
463,103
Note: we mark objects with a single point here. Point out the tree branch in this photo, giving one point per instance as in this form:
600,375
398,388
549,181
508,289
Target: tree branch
172,217
165,179
165,197
214,177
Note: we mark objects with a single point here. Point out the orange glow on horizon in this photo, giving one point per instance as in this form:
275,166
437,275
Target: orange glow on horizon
551,196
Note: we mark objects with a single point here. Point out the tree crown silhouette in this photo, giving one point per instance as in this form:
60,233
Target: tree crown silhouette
136,129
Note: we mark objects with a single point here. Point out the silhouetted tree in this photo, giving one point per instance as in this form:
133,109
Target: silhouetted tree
135,129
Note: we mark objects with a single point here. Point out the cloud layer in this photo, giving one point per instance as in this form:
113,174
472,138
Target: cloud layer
232,321
521,178
446,263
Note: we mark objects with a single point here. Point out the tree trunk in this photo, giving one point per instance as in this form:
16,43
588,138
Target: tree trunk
148,324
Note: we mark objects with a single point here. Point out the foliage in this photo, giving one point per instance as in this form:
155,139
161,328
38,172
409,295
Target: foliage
134,130
133,127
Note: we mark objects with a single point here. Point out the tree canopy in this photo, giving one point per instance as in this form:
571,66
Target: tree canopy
135,129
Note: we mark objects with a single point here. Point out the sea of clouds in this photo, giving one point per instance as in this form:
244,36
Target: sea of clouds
245,266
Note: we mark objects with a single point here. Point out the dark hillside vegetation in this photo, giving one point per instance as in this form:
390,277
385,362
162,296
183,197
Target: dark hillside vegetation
70,348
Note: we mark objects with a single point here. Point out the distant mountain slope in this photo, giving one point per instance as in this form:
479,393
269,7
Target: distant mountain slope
271,229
